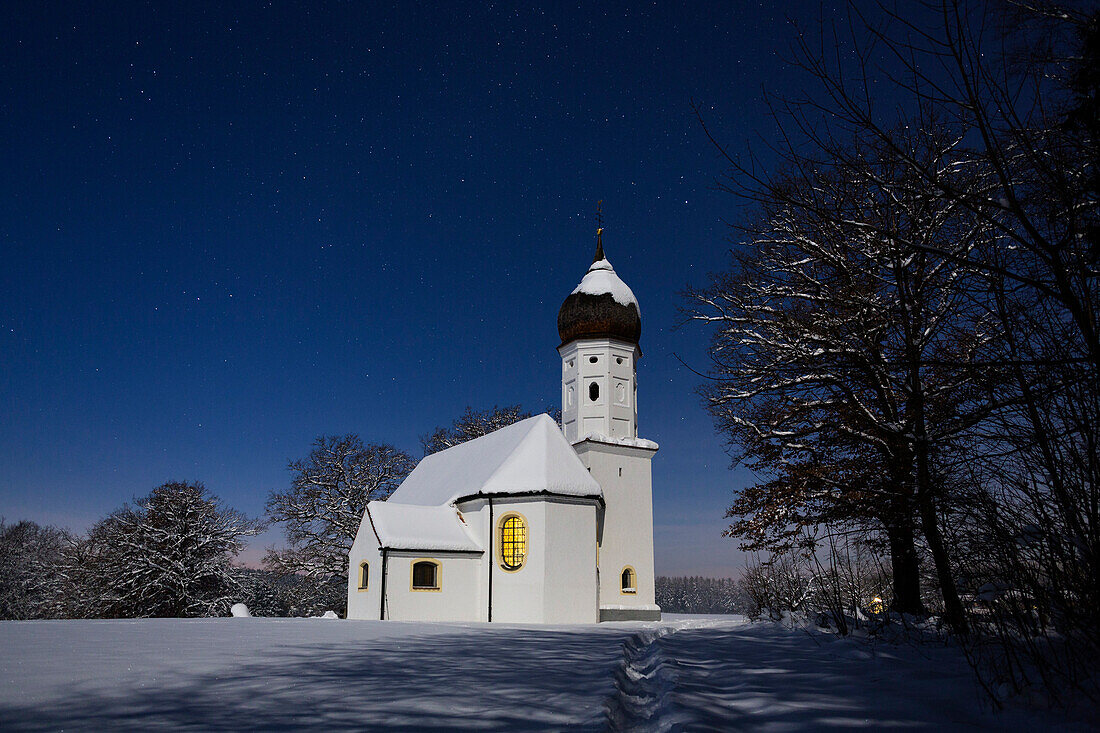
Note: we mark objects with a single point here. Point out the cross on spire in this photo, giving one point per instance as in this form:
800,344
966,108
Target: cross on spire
599,232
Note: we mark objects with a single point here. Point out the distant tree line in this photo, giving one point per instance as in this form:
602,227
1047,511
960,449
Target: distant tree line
906,342
696,594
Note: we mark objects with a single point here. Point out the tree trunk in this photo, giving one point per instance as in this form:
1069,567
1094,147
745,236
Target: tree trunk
952,606
926,504
906,568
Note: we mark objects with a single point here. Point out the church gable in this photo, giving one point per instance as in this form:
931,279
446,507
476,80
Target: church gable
527,457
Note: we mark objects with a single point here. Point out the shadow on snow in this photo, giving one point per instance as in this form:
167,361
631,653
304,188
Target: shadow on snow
761,677
494,679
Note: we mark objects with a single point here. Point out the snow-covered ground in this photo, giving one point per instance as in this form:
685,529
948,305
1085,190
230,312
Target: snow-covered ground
684,673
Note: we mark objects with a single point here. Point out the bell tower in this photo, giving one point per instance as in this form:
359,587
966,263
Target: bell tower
600,326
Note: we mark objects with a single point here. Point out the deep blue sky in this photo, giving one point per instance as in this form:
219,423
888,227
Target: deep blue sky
228,231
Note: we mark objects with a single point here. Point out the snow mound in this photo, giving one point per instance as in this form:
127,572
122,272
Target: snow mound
328,614
601,278
239,610
632,442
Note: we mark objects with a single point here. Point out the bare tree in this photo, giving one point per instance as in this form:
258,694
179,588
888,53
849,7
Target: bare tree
29,557
324,505
834,337
1022,90
780,585
851,579
1010,499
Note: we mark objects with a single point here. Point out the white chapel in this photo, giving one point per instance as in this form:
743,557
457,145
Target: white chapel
533,523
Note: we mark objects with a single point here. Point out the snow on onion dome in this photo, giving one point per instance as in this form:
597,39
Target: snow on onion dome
602,306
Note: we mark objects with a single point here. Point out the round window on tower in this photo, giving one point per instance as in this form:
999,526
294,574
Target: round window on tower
593,359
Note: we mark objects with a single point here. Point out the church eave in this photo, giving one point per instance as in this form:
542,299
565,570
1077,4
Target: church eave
432,550
585,498
639,449
603,337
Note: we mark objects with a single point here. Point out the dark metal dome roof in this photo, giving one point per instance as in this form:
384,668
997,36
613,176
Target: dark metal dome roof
602,306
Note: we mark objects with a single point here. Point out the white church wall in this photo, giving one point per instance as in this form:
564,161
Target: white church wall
571,595
476,513
557,583
625,475
518,596
456,599
364,604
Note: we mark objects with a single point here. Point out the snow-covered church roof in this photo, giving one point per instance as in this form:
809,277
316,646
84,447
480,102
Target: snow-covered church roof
409,527
528,457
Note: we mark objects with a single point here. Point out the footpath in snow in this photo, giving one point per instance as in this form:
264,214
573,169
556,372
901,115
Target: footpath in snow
685,673
732,675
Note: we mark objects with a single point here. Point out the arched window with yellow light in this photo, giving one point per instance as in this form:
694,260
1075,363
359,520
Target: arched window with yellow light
512,541
629,580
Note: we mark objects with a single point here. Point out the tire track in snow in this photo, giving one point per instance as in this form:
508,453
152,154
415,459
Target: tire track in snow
644,680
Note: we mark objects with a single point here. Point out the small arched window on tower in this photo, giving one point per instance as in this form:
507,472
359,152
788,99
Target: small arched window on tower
629,581
594,391
513,542
364,575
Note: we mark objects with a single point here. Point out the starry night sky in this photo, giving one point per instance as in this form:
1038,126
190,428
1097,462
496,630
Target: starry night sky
228,231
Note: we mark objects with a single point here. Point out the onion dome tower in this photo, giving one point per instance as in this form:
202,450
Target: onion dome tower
600,326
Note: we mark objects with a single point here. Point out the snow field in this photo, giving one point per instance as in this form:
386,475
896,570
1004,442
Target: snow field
684,673
734,675
309,674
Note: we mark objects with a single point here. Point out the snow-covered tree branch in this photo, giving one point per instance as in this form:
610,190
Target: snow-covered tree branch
321,511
